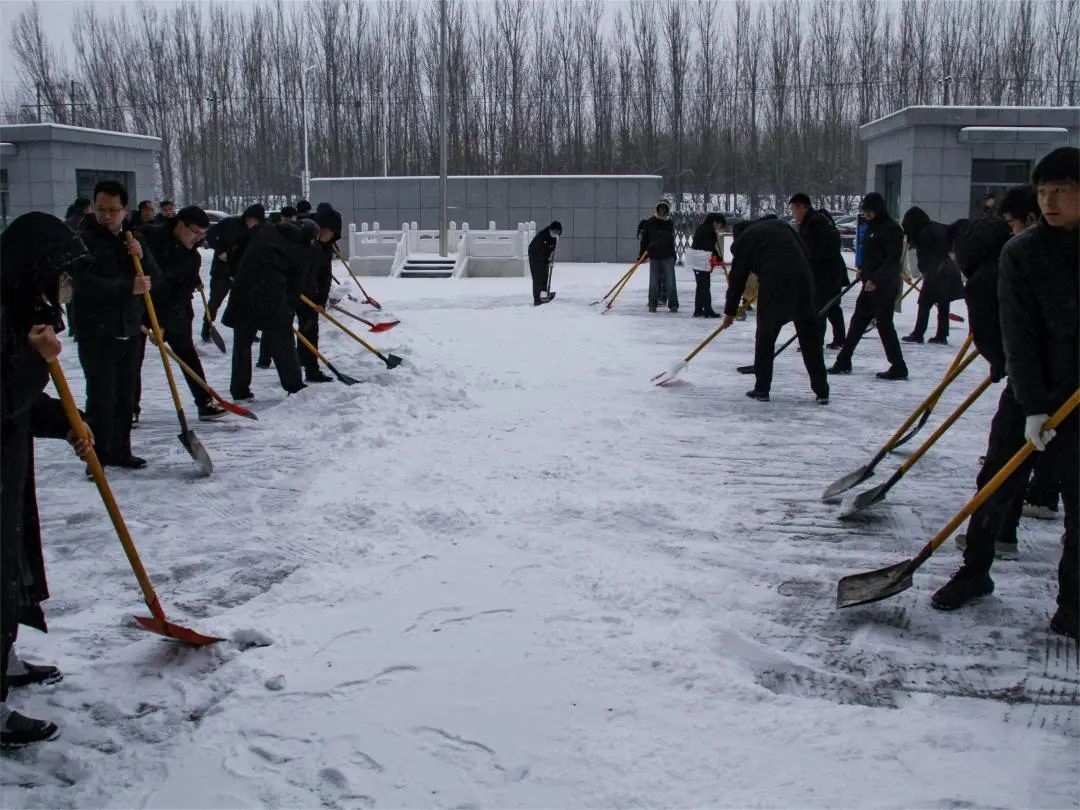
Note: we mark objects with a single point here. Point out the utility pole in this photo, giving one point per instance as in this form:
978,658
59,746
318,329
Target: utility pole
73,83
214,100
386,119
443,88
37,87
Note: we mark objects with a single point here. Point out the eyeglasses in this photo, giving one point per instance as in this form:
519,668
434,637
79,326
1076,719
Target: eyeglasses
101,210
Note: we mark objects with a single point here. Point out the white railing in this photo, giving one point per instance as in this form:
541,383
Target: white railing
373,251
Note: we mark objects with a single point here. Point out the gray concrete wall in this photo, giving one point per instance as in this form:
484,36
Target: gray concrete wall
599,214
41,173
936,173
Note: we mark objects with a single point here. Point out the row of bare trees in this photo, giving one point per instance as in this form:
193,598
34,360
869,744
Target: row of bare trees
749,99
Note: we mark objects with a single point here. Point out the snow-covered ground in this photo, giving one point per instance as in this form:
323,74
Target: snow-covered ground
511,572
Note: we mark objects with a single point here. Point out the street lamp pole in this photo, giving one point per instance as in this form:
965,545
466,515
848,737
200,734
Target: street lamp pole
443,88
305,177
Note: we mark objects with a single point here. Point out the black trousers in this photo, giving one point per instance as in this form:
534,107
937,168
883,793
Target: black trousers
808,331
1063,457
1042,491
219,290
539,270
834,317
277,336
869,306
307,324
136,406
703,293
922,319
109,366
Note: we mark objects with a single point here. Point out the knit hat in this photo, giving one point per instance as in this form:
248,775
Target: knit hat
255,211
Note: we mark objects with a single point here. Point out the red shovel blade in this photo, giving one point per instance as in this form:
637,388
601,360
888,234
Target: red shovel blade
373,303
384,327
163,627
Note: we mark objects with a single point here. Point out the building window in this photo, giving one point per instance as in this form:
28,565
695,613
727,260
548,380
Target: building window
995,177
3,197
86,179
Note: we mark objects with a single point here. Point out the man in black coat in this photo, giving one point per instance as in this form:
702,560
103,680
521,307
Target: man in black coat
265,294
174,247
940,280
770,249
882,248
822,241
1039,296
228,239
541,255
660,242
36,250
326,230
109,318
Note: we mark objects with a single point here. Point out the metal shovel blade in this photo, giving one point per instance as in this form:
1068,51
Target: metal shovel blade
197,451
907,437
864,500
386,326
219,341
873,586
163,627
393,361
745,369
669,375
842,485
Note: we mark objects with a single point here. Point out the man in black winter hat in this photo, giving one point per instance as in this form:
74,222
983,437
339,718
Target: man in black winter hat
1039,298
882,248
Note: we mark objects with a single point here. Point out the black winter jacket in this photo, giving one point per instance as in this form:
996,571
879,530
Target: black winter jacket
822,242
542,246
771,249
270,278
178,270
318,274
882,247
941,280
660,238
231,237
978,249
104,303
706,237
1039,298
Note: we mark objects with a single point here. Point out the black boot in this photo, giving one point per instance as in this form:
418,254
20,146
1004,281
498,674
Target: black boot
894,373
965,585
912,338
1066,622
317,376
760,396
21,730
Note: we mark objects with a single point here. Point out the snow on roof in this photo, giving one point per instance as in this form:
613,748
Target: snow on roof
70,128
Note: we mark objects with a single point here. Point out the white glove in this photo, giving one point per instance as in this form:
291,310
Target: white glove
1033,431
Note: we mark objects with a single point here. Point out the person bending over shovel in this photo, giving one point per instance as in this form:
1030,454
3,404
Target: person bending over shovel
772,250
541,254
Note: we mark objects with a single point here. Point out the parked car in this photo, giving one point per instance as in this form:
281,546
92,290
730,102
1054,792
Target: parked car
216,216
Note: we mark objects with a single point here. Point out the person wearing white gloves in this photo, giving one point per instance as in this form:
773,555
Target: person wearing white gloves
1039,300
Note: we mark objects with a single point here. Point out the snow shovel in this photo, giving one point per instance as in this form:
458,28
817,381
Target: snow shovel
345,378
875,495
187,436
156,622
622,284
873,586
551,269
391,360
824,311
215,335
929,408
367,298
385,326
855,478
231,407
622,278
668,377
